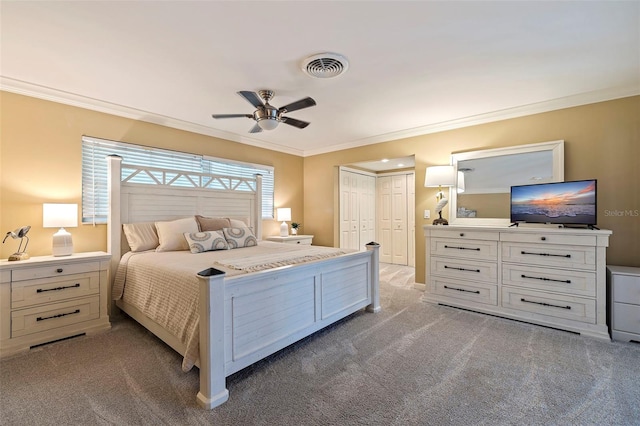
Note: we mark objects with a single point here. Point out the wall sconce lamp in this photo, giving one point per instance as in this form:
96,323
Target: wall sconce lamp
283,215
60,216
439,176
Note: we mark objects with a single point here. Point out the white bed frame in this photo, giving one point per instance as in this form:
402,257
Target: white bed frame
289,302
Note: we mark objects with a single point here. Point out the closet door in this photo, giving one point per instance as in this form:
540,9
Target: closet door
383,186
367,207
399,249
411,219
349,229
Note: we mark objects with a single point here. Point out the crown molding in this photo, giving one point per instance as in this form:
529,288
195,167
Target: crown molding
42,92
46,93
505,114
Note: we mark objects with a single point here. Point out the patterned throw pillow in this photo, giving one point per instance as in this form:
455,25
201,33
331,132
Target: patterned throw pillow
206,241
239,237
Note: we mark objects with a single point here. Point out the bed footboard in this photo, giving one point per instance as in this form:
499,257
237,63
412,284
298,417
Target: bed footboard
244,320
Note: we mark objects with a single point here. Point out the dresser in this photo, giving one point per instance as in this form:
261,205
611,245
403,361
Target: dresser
549,276
48,298
624,303
293,239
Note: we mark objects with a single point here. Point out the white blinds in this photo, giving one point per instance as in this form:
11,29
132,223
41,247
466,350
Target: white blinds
94,172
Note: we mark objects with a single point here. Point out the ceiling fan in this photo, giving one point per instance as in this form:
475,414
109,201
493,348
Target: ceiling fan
267,116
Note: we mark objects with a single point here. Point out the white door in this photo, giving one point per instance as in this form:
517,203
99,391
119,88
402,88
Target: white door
411,219
367,207
396,218
399,219
383,186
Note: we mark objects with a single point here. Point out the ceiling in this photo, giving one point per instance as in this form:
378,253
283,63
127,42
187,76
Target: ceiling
414,67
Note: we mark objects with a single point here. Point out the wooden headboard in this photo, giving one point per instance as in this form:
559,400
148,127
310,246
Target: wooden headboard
149,194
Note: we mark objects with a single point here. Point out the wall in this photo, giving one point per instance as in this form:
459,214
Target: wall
602,141
40,161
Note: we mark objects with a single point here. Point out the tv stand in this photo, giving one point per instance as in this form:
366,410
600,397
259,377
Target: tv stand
514,224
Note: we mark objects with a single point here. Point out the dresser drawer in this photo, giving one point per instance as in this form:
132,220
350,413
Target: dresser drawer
550,255
465,269
470,291
54,270
549,238
626,289
304,242
451,232
44,290
626,318
468,249
551,305
48,317
564,281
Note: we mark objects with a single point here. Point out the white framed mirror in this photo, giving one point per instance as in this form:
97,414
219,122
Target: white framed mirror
482,194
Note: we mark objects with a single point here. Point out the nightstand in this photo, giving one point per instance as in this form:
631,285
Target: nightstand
293,239
47,298
624,302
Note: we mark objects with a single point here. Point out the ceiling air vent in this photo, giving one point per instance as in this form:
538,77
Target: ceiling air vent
325,65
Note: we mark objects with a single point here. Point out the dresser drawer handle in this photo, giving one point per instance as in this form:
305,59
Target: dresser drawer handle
547,254
543,238
462,289
297,242
59,270
461,248
462,234
546,279
461,269
544,304
42,290
77,311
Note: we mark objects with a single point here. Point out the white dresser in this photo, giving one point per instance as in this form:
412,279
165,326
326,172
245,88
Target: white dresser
544,275
48,298
624,303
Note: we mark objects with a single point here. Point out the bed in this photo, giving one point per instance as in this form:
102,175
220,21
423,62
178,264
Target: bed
250,301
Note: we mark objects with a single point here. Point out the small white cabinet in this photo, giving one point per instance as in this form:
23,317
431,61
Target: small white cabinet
48,298
624,302
304,240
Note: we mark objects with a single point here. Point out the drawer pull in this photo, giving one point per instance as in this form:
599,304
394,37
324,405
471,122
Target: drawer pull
461,248
42,290
59,270
543,238
462,234
77,311
546,279
462,289
544,304
461,269
546,254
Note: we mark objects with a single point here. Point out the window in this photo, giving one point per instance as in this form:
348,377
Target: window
95,202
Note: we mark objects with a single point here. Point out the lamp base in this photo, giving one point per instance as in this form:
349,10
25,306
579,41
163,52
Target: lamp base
284,229
440,220
62,243
18,256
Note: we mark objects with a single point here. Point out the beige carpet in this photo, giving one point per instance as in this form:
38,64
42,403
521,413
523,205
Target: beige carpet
411,364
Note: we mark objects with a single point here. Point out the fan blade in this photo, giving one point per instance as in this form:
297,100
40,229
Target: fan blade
293,122
252,97
231,115
255,129
294,106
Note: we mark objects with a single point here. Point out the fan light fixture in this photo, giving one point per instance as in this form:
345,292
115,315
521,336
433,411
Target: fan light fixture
268,123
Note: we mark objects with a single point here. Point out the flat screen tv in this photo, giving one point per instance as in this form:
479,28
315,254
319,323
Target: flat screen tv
563,203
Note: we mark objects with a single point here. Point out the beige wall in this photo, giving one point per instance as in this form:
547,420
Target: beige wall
40,161
40,158
602,141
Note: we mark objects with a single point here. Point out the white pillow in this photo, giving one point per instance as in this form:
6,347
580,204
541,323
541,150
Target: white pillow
141,236
239,223
171,234
239,237
206,241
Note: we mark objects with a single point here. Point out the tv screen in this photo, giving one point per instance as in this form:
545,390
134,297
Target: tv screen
565,203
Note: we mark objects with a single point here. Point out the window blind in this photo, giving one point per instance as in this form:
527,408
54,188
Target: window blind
95,202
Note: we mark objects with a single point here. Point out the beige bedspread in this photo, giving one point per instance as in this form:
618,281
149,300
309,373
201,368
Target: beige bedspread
164,285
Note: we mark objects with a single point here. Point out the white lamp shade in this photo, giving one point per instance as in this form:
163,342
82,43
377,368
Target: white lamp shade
59,215
440,176
460,182
268,124
283,214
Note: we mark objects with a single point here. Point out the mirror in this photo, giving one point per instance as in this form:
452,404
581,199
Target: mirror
482,196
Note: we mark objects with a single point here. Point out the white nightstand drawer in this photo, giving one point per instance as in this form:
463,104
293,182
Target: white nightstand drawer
576,257
550,304
582,283
468,249
47,317
464,269
626,318
54,270
44,290
627,289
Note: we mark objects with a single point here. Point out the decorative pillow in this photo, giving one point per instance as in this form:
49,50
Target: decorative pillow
239,237
239,223
212,223
206,241
171,234
141,236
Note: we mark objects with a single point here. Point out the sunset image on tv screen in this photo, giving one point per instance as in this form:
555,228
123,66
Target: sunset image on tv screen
565,202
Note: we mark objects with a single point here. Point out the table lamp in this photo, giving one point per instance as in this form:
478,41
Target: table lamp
283,215
60,216
439,176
